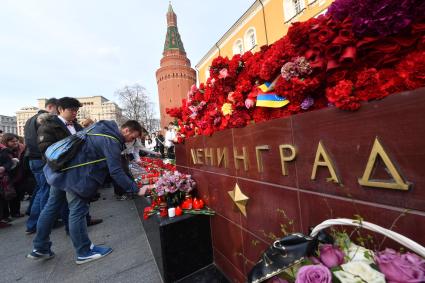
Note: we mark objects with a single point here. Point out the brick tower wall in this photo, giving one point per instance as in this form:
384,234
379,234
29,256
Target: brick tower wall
174,79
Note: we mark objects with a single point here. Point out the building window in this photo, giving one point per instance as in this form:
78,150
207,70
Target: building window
250,39
291,8
238,47
297,4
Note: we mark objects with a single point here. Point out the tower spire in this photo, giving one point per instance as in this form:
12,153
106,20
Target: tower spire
170,8
172,39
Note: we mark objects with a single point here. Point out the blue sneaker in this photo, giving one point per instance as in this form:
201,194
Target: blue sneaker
39,255
96,252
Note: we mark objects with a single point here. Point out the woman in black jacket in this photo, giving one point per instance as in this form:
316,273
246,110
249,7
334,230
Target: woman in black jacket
5,167
13,153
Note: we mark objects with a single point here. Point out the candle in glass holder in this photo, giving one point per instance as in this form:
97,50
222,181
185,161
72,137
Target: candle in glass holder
171,212
163,212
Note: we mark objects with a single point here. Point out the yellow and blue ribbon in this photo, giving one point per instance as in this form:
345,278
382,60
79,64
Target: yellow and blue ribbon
271,100
268,86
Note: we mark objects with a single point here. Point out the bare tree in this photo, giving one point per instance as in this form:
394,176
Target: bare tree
137,106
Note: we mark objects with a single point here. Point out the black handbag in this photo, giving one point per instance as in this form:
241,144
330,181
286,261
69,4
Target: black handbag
284,253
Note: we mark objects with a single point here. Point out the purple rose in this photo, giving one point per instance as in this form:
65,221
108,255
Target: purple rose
331,256
398,268
314,274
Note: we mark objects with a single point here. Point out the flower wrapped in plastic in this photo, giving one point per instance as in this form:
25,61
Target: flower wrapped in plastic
174,186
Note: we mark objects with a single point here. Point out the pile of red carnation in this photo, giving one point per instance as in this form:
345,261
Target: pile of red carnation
335,60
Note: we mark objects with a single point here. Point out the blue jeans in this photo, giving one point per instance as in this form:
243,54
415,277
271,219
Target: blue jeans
42,193
47,219
78,210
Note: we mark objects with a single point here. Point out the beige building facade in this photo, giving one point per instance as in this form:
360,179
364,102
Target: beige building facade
23,115
94,107
265,22
8,124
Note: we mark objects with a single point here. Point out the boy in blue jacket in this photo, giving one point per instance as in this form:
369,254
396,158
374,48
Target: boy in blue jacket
78,184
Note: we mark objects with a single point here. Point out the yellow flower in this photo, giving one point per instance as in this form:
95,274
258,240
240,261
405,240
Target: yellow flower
226,109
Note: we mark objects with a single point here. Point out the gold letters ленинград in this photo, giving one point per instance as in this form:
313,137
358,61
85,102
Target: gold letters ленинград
284,158
199,156
326,162
193,154
397,184
223,157
258,148
243,157
208,153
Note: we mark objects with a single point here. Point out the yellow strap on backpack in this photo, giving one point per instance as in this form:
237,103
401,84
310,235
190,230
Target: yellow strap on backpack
94,161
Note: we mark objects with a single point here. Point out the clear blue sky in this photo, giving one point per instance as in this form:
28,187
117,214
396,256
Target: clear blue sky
55,48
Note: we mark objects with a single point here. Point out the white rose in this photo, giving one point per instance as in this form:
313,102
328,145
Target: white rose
358,253
345,277
361,270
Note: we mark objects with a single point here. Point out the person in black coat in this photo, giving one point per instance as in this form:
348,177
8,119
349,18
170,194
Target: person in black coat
160,143
57,127
18,176
54,128
7,165
33,154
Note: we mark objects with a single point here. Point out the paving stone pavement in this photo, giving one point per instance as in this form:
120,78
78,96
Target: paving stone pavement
131,260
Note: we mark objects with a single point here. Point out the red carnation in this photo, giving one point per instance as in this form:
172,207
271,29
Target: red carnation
261,114
412,69
341,96
367,84
298,32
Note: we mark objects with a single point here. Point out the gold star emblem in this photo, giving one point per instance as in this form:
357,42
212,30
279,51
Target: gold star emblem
239,199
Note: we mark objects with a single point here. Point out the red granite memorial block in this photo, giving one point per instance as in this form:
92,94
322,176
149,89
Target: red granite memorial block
392,129
184,170
315,209
253,247
219,200
201,187
348,138
271,211
233,273
227,238
191,145
181,155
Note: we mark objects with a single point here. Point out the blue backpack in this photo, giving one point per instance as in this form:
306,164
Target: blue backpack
59,154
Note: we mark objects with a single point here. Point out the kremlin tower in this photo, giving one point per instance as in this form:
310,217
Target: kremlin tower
175,75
